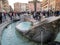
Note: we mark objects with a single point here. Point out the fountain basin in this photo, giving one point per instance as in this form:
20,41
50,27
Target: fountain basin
47,27
34,34
24,26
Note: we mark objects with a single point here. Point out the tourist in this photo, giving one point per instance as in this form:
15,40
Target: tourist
47,13
59,12
56,13
35,15
18,14
10,15
0,17
5,15
14,15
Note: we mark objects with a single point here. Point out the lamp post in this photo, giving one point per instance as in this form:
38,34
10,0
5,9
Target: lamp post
35,2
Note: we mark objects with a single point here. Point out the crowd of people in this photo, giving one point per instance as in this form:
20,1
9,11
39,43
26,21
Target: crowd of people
49,13
36,15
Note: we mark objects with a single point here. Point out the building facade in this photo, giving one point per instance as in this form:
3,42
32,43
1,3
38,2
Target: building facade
51,5
31,6
45,5
4,6
17,7
20,7
23,7
0,5
57,5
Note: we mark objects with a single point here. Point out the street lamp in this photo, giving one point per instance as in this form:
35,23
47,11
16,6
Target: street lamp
35,2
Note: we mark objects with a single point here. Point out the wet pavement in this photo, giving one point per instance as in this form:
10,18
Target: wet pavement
3,25
11,37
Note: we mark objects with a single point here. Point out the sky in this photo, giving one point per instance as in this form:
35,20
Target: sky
11,2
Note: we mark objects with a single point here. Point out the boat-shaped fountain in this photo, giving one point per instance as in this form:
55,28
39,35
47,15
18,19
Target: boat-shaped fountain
43,31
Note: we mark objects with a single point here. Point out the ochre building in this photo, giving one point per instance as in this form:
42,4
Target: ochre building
51,4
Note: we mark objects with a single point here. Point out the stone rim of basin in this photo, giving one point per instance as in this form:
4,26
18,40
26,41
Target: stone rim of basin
25,26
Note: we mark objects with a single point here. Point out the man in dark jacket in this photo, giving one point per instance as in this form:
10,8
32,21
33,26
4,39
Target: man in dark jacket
0,17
